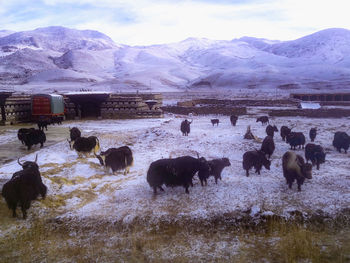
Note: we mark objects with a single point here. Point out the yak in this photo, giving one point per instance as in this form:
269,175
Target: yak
295,168
233,119
312,134
185,127
215,121
85,145
263,120
284,131
32,137
268,146
216,166
341,141
24,186
295,139
315,153
175,172
116,159
21,132
270,130
74,133
255,159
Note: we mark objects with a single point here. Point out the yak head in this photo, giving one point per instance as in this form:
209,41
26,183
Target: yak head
265,162
203,166
28,164
305,168
226,162
71,144
101,158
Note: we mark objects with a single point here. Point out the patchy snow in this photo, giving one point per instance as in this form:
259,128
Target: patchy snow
84,189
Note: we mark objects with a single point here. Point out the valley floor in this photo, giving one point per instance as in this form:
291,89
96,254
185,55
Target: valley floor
85,205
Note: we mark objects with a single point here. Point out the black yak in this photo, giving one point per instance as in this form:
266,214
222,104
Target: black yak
185,127
315,153
24,186
255,159
216,166
175,172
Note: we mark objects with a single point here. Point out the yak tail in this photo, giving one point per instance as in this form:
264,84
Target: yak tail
97,146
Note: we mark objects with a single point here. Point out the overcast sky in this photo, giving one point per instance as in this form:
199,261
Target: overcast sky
145,22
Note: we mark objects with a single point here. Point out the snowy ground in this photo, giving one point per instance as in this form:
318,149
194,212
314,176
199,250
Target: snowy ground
80,188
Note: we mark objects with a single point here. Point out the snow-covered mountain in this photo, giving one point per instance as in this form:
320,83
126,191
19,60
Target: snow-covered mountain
69,58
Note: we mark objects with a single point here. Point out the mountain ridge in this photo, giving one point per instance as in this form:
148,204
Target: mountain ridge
92,58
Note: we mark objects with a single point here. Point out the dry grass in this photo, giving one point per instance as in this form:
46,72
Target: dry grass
98,241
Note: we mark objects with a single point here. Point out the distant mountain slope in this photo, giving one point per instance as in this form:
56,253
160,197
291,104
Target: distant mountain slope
4,33
329,45
58,55
59,39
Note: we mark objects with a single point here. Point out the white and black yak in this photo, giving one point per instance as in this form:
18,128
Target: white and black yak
85,145
295,168
116,159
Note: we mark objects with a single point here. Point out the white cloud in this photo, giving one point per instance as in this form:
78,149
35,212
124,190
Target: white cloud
146,22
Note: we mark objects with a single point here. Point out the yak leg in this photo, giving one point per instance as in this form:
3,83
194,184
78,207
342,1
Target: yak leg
161,188
25,206
13,208
257,169
299,187
127,170
154,189
41,145
202,182
247,172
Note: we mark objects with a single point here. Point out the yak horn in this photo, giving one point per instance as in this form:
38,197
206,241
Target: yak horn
36,158
19,162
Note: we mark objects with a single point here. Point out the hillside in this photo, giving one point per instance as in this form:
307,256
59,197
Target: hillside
90,58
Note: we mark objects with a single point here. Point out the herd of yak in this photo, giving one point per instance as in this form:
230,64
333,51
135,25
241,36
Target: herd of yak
26,185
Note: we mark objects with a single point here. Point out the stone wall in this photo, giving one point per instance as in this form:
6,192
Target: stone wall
319,113
205,110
